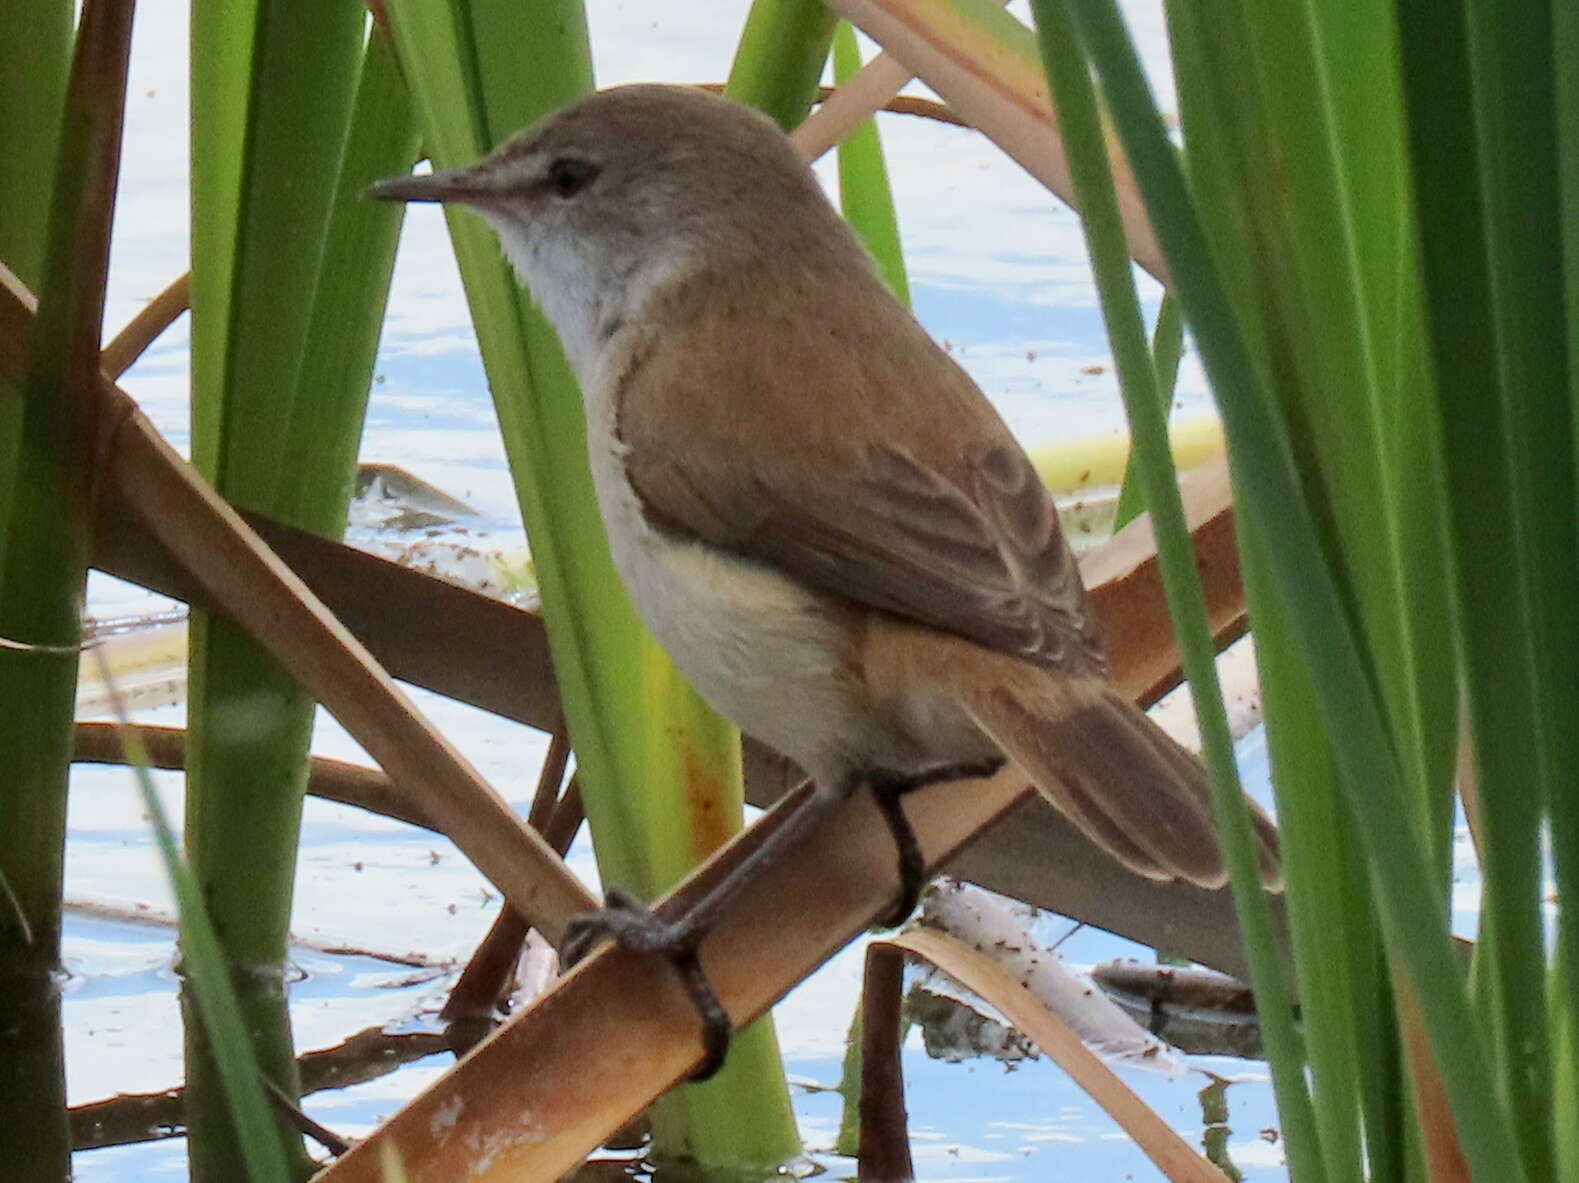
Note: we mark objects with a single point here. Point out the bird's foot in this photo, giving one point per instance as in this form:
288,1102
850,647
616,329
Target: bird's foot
888,790
631,925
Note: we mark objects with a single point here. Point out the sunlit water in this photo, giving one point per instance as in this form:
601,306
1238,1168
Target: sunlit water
997,271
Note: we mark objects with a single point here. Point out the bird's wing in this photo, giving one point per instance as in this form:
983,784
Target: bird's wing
984,558
943,521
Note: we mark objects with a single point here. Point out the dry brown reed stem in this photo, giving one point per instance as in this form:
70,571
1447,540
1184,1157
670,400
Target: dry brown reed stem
332,780
896,104
477,992
459,643
489,974
147,1117
550,777
619,1030
842,110
1444,1156
884,1155
1126,587
263,596
875,87
1171,1153
144,328
297,1119
241,576
913,105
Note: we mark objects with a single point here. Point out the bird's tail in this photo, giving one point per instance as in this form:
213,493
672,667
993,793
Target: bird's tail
1114,773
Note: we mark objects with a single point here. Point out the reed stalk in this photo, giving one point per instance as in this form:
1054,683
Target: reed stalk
279,80
34,65
779,61
1069,77
1337,354
47,496
1167,348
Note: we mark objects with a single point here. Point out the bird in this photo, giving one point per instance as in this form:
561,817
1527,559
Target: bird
817,512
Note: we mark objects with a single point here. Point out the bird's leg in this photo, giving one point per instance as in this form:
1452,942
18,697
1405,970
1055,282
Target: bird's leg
888,789
631,925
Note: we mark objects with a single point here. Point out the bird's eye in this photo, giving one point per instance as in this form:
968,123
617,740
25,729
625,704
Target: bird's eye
569,175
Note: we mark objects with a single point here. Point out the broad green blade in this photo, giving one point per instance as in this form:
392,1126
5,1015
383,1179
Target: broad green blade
1080,121
33,68
780,58
274,83
1471,286
1328,907
1285,517
348,301
48,442
1522,764
1564,806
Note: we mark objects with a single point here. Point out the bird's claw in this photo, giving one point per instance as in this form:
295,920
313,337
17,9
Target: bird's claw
633,926
888,791
912,866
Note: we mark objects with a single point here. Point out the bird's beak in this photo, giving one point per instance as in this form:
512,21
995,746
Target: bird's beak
466,185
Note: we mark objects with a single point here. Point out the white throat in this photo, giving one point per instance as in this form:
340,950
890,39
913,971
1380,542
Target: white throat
586,301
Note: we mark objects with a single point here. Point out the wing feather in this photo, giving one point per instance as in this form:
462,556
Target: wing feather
987,562
942,521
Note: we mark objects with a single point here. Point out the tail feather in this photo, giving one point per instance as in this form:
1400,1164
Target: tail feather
1117,775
